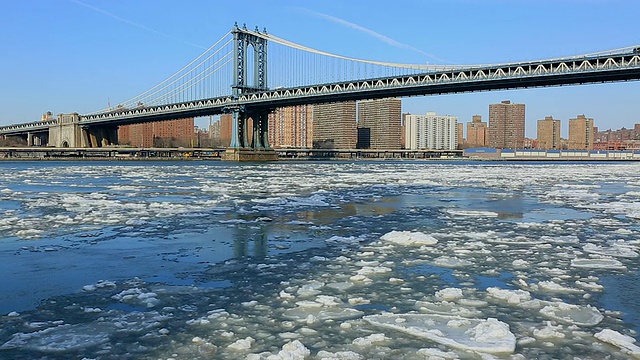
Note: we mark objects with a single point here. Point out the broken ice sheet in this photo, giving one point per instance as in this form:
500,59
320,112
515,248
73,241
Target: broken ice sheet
482,335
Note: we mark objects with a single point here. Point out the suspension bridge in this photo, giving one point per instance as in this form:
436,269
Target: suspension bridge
249,73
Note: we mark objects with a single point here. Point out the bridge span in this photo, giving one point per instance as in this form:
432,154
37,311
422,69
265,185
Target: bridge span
225,79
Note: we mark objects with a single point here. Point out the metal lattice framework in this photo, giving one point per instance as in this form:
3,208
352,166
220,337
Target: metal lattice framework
620,66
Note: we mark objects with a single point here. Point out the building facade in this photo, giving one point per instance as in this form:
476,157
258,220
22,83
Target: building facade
431,131
334,125
549,134
168,133
476,132
506,125
379,124
291,127
581,133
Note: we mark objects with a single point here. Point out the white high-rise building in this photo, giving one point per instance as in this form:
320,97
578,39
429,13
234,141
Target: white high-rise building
431,131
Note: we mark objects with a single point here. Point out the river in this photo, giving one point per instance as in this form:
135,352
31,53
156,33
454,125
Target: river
319,260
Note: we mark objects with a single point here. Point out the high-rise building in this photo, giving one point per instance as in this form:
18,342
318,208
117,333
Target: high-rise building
334,125
291,127
167,133
379,123
403,125
476,132
506,125
431,131
581,133
225,129
460,132
549,133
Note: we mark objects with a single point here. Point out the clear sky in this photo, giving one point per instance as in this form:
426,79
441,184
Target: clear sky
77,55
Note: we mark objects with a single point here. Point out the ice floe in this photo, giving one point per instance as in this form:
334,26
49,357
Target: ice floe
598,263
572,314
615,250
625,343
409,238
478,213
482,335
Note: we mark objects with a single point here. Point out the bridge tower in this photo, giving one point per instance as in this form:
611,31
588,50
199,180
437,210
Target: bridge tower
246,41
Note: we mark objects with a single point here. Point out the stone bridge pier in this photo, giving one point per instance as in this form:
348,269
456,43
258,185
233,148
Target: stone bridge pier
67,132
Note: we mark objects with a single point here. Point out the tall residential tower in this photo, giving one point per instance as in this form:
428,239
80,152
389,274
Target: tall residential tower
549,133
379,124
581,133
431,131
506,125
334,125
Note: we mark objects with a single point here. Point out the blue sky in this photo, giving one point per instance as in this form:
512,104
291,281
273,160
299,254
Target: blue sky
76,55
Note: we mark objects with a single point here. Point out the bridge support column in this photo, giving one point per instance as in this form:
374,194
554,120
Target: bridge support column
240,149
261,130
243,130
29,139
235,125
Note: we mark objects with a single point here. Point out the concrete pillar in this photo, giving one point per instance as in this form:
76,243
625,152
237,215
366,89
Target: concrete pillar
235,141
29,139
244,136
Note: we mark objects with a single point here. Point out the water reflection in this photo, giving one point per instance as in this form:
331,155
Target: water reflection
250,242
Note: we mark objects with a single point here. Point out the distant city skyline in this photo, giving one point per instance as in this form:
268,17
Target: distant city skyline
80,56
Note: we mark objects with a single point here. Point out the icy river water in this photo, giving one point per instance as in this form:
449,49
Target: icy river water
319,260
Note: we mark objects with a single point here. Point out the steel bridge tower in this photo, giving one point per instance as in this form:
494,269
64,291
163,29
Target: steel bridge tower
245,41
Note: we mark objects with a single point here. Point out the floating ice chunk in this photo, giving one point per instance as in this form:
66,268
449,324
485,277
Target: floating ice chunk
358,301
310,289
242,344
625,343
590,285
549,332
351,240
449,294
572,314
149,299
603,263
361,278
319,313
341,355
61,338
327,300
451,262
437,354
513,297
373,270
13,314
370,340
478,213
340,286
294,350
565,239
409,238
285,295
555,287
616,250
481,335
519,263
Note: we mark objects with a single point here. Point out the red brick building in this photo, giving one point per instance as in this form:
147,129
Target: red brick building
168,133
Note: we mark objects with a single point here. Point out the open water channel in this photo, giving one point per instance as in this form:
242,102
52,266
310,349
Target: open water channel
319,260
